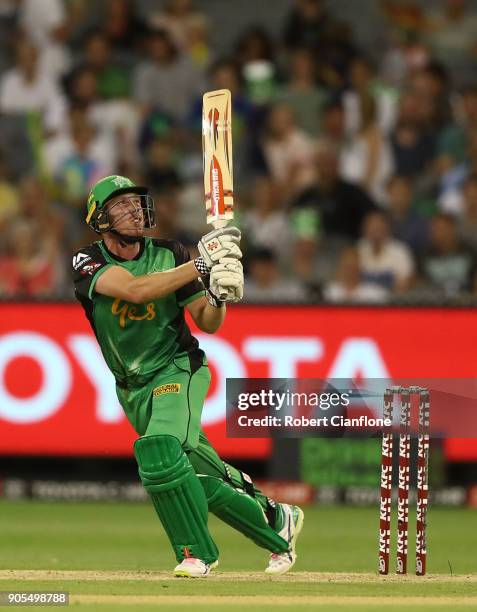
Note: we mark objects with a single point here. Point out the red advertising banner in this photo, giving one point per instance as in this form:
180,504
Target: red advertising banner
58,398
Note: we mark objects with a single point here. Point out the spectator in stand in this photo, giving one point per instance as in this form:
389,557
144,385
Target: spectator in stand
198,46
309,24
385,261
48,25
301,92
166,205
225,74
75,161
452,181
451,36
468,219
188,28
348,285
304,264
265,224
366,158
288,152
115,120
161,166
8,194
28,270
112,110
41,225
82,90
341,206
255,55
363,84
79,150
449,265
36,208
452,144
112,77
333,126
123,27
406,53
167,81
83,166
457,152
407,225
431,87
263,282
25,88
313,253
453,141
407,16
82,87
255,45
335,58
8,31
412,142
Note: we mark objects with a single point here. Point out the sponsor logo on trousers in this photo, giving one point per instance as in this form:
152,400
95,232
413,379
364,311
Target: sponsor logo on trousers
169,388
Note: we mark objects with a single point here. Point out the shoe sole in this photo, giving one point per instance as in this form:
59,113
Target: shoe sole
298,528
184,574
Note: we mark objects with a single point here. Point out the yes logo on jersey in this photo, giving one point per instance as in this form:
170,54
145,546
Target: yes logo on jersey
133,313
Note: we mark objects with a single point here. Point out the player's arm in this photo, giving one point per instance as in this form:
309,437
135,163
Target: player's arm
207,317
226,277
117,282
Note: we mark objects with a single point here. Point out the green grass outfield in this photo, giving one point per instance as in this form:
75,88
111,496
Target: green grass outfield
115,556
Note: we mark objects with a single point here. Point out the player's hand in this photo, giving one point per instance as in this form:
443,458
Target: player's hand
226,280
220,243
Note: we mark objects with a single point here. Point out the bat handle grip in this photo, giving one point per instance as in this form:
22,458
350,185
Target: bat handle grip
218,224
223,295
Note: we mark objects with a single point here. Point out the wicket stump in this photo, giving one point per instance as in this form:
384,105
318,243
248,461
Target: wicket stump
405,394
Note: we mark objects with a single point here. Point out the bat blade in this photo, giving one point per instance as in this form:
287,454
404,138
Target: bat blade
217,157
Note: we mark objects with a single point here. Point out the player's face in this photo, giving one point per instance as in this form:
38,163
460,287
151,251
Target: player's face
126,215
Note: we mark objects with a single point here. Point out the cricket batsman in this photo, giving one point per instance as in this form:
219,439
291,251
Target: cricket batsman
134,290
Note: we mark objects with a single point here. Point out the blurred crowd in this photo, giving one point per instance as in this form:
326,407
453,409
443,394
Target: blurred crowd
355,169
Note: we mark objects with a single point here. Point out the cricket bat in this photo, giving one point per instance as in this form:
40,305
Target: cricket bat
217,157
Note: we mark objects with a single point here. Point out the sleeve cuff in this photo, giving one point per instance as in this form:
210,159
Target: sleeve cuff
191,298
95,278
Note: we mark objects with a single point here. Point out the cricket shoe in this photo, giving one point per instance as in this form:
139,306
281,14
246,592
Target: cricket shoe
280,563
190,567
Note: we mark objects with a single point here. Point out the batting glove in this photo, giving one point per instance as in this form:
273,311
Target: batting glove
226,280
220,243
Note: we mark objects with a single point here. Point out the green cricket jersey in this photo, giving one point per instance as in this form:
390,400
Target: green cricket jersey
136,340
